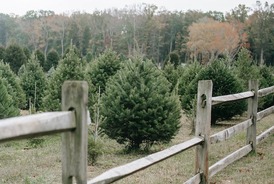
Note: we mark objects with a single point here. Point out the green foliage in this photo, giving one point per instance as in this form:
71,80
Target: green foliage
224,83
172,75
189,73
7,106
15,89
138,106
69,68
174,58
27,52
245,69
52,60
35,142
33,81
95,149
41,58
105,66
2,52
266,80
15,57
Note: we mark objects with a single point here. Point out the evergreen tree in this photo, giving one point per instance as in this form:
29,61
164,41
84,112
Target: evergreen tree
2,52
245,69
85,40
224,83
69,68
52,60
33,81
27,52
15,89
7,107
41,58
139,107
105,66
15,57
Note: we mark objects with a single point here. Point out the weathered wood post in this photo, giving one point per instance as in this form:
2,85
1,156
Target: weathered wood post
203,121
74,143
252,113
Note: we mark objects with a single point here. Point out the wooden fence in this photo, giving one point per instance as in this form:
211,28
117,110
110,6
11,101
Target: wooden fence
72,122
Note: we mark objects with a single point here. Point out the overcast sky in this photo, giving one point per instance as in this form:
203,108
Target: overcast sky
20,7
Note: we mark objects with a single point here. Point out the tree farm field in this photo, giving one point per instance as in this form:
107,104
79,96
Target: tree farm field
29,163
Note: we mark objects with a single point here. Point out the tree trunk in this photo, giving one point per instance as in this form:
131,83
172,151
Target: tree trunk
262,57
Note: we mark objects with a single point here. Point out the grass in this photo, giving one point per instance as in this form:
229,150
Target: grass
21,163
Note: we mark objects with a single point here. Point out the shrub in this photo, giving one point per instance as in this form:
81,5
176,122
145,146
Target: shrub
95,149
224,83
138,106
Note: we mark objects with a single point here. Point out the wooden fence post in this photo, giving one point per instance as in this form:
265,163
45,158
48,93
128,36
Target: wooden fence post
74,143
252,113
203,122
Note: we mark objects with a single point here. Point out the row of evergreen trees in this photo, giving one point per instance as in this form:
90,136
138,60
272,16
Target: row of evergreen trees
139,103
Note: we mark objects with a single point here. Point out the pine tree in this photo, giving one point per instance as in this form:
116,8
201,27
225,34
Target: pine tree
69,68
52,60
41,58
15,57
33,81
139,107
2,52
15,89
7,108
105,66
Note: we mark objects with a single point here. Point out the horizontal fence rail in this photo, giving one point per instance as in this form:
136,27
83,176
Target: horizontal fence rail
264,135
228,98
265,91
37,124
265,112
132,167
220,165
194,180
229,132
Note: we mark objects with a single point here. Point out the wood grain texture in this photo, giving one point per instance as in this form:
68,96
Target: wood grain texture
140,164
233,97
220,165
74,143
36,125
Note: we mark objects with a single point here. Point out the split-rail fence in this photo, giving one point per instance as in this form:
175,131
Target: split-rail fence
72,122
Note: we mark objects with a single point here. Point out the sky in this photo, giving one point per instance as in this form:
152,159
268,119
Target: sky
20,7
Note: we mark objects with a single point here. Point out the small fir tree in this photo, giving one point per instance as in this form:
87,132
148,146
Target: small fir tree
7,107
52,60
69,68
33,81
224,83
15,89
15,57
41,58
139,107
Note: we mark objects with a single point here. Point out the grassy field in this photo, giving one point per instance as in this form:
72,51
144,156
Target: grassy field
20,162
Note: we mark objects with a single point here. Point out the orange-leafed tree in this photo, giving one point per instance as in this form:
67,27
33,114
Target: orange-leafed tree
208,39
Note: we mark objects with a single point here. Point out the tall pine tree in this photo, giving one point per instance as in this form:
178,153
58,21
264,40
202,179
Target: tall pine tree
15,89
69,68
33,81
